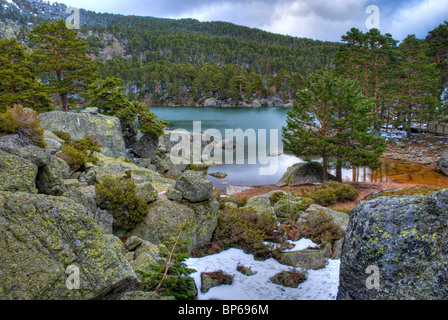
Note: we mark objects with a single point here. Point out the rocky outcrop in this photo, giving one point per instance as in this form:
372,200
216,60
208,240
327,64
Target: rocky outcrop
165,219
120,168
442,163
194,186
78,125
17,174
30,169
405,238
303,173
146,146
42,237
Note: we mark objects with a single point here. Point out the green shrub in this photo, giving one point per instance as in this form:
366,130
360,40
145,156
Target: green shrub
23,122
320,228
321,196
118,198
64,136
330,193
72,156
245,229
89,143
343,192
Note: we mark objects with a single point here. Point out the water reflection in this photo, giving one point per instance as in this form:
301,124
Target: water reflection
393,171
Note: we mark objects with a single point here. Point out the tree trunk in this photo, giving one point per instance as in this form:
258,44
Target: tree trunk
64,102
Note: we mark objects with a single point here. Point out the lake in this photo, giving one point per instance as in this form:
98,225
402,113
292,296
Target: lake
275,118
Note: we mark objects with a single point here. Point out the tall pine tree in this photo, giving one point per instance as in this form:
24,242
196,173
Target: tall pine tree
62,60
333,120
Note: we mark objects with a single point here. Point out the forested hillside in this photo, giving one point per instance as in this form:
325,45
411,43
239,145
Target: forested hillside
167,61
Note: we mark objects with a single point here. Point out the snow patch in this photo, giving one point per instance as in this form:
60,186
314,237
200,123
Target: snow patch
320,284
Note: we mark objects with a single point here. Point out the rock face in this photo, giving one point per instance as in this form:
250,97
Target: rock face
17,174
303,173
30,169
165,219
78,125
42,236
146,146
405,237
443,163
195,187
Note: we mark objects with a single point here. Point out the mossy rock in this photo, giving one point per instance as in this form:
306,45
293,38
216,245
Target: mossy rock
405,237
165,218
17,174
42,236
78,125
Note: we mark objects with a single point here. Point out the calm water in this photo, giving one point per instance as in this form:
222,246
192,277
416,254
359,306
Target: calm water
275,118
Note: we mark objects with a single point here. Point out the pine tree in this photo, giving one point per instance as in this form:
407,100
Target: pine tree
18,85
62,59
333,120
418,96
438,46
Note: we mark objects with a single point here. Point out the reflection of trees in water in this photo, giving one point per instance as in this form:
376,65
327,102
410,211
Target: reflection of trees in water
399,172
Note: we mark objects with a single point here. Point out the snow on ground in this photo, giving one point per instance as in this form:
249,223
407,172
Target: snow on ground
320,284
302,244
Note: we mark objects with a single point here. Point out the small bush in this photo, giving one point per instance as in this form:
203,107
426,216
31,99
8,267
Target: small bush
343,192
118,198
240,201
321,196
291,278
89,143
320,228
72,156
330,193
244,229
64,136
25,123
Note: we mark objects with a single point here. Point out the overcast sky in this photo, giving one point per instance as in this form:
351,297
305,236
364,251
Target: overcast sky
316,19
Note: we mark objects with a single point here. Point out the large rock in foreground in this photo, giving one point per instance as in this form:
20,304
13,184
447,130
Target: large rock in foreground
78,125
166,218
41,236
404,237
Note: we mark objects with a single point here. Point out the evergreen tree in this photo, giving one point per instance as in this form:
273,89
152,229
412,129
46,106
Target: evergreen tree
62,59
110,98
18,85
333,120
438,46
418,96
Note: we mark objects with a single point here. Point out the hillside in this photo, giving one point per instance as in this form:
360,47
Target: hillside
133,48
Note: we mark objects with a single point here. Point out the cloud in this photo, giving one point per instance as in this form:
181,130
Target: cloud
316,19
